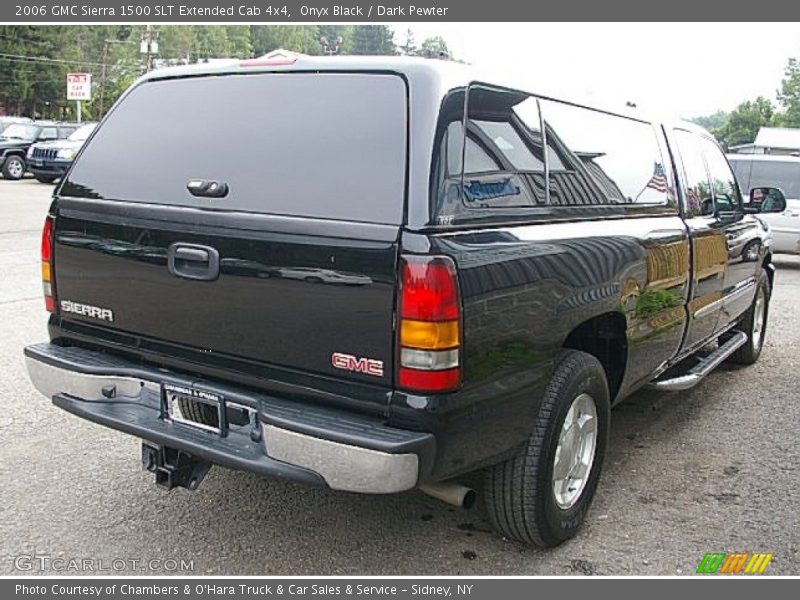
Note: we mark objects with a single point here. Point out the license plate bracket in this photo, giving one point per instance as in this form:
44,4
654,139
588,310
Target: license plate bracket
194,407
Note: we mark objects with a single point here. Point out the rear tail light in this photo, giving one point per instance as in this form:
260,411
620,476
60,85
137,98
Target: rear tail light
47,265
430,325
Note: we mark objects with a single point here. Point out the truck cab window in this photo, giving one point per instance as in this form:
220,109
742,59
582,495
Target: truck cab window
727,197
699,198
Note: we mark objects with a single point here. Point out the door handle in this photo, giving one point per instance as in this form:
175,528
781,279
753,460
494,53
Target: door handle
207,188
193,261
192,254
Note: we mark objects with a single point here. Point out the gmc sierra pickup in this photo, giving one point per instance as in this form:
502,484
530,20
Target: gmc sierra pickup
381,274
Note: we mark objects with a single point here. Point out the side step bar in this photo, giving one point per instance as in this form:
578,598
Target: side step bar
702,368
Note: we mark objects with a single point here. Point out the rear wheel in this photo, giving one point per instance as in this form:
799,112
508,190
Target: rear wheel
14,167
754,324
45,178
541,495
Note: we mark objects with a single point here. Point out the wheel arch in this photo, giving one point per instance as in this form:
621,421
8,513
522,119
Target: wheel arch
604,337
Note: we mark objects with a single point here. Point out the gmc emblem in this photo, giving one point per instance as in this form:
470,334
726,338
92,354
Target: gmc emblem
347,362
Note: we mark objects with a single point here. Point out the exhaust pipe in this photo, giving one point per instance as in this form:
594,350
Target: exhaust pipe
452,493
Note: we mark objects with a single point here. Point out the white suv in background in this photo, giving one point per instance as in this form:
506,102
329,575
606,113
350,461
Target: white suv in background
783,172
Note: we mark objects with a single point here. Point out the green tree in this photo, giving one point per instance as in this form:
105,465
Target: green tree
210,41
240,41
745,121
372,39
297,38
34,63
117,51
434,47
174,41
409,48
710,122
789,95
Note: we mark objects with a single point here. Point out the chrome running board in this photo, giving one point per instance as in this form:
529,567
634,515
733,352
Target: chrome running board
702,368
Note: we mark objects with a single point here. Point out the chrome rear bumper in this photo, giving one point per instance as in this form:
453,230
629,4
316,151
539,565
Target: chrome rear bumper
106,389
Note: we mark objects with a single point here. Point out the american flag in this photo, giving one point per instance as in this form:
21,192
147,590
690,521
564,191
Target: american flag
658,181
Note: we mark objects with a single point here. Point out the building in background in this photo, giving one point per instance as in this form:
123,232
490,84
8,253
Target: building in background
772,140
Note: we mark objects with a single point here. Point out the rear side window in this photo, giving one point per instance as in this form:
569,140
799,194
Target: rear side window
603,158
503,154
520,152
329,146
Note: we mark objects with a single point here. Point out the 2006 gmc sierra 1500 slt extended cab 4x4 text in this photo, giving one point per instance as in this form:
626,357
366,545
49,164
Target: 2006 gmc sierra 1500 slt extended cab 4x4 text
381,274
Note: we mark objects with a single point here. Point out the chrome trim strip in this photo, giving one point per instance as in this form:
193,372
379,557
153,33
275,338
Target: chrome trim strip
744,288
748,286
344,467
51,380
708,308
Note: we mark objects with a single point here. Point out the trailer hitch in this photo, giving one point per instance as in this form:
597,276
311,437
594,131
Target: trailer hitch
174,468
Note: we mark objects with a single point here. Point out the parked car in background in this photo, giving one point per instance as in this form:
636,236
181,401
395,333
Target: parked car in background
48,161
8,121
755,171
18,137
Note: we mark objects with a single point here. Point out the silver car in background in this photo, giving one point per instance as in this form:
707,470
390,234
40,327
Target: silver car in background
777,171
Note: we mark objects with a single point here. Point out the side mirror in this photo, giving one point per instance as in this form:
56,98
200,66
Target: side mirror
767,200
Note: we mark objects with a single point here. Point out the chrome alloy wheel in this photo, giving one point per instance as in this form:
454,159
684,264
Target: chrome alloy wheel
15,168
759,314
575,452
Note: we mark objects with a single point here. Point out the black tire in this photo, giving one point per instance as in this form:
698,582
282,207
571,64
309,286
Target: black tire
45,178
11,171
750,351
519,494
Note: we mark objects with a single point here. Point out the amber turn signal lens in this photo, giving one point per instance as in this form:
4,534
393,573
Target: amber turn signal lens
427,335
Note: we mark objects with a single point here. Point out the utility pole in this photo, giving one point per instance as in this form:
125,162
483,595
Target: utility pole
107,44
103,60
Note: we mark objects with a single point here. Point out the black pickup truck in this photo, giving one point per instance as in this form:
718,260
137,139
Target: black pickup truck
381,274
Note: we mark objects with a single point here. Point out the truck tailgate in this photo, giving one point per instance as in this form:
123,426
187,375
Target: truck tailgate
292,299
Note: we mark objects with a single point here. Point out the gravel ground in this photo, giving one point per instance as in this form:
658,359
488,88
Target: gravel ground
712,469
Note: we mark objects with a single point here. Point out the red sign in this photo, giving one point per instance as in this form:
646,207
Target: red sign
79,86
